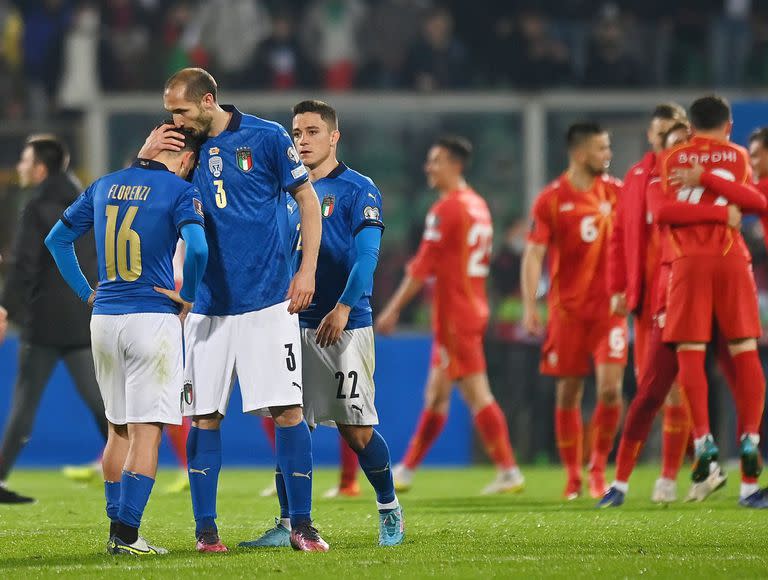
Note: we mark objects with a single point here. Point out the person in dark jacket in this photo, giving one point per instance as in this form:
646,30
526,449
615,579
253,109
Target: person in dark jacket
54,325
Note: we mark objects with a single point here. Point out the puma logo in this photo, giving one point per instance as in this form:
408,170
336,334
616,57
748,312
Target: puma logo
307,475
200,471
358,409
382,470
131,474
372,196
295,384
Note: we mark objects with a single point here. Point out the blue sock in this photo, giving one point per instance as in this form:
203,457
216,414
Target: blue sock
134,495
203,467
375,463
282,493
112,493
294,456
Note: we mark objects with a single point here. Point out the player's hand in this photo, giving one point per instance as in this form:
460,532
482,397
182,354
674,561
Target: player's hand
687,177
91,299
387,321
332,325
619,304
184,306
734,217
162,138
301,291
532,321
3,323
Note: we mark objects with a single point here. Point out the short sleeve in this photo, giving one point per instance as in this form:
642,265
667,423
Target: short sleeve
440,227
290,170
366,209
78,217
540,231
189,208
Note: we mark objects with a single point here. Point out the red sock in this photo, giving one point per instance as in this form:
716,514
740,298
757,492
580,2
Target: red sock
676,430
605,424
268,424
693,380
749,390
427,431
177,437
349,464
569,431
626,458
492,426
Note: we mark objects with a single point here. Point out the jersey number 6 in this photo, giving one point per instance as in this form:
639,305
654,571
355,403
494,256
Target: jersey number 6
128,241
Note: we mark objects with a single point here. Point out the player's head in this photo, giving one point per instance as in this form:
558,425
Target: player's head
181,162
678,133
711,114
447,160
43,155
758,152
190,96
664,116
589,147
315,132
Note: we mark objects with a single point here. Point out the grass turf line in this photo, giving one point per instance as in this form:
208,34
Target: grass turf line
452,532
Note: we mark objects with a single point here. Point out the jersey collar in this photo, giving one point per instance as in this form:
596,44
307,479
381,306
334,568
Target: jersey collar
235,119
338,170
149,164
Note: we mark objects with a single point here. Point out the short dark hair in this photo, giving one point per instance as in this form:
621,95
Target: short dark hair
326,112
760,134
459,148
669,112
192,139
50,151
710,112
197,82
676,127
579,133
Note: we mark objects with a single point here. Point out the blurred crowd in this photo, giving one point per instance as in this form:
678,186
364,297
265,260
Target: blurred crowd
55,55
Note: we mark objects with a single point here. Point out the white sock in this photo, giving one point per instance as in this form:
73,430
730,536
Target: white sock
754,437
698,443
394,504
512,472
748,489
285,522
622,486
668,481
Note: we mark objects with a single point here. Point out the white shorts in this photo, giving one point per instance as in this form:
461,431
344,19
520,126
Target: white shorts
262,349
338,379
139,366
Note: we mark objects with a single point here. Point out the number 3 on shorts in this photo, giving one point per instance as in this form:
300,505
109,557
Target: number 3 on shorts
290,360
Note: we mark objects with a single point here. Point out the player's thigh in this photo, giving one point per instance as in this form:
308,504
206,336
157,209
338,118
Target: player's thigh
109,364
209,361
338,379
690,299
567,347
610,354
268,359
154,378
735,300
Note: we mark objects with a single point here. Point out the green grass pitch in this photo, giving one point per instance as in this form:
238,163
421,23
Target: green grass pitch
452,532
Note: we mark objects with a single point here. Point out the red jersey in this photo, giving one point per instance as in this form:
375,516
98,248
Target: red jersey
720,158
762,187
576,226
456,251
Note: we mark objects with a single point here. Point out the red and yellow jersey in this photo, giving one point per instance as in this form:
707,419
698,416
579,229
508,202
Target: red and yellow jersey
576,227
456,251
723,159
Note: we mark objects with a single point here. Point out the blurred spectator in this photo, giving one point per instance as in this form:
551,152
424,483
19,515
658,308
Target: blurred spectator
505,266
177,21
609,61
437,60
756,66
230,32
688,60
331,31
11,97
282,63
730,43
79,84
125,47
398,22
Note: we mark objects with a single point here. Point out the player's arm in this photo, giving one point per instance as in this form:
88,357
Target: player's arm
530,276
195,260
60,241
746,196
367,243
302,286
665,211
617,269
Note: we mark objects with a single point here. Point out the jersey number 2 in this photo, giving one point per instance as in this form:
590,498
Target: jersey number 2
126,249
480,237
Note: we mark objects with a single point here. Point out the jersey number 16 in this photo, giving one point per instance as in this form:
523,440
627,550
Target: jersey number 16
126,249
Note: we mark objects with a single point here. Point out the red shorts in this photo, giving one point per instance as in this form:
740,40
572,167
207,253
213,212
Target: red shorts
459,354
572,344
643,326
703,289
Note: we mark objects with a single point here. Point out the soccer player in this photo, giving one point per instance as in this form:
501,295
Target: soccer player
758,160
336,330
711,279
633,263
571,222
246,166
137,215
455,250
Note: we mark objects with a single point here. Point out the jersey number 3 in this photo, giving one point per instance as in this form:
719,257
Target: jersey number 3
221,195
127,248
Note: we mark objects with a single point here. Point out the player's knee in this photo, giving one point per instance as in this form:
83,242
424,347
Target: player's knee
568,393
356,436
210,421
610,396
744,345
287,416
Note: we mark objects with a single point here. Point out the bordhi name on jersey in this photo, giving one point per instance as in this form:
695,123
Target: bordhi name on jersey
716,156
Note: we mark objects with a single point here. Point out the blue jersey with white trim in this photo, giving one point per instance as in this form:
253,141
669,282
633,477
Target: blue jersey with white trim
137,215
349,201
243,174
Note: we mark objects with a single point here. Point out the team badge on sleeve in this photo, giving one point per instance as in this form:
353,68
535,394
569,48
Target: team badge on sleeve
215,165
198,206
293,155
244,158
327,206
371,213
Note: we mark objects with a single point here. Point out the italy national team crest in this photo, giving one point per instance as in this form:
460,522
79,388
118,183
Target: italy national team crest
327,206
244,158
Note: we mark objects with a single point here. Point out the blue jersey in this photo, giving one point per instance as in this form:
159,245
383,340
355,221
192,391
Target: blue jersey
136,215
243,174
349,202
